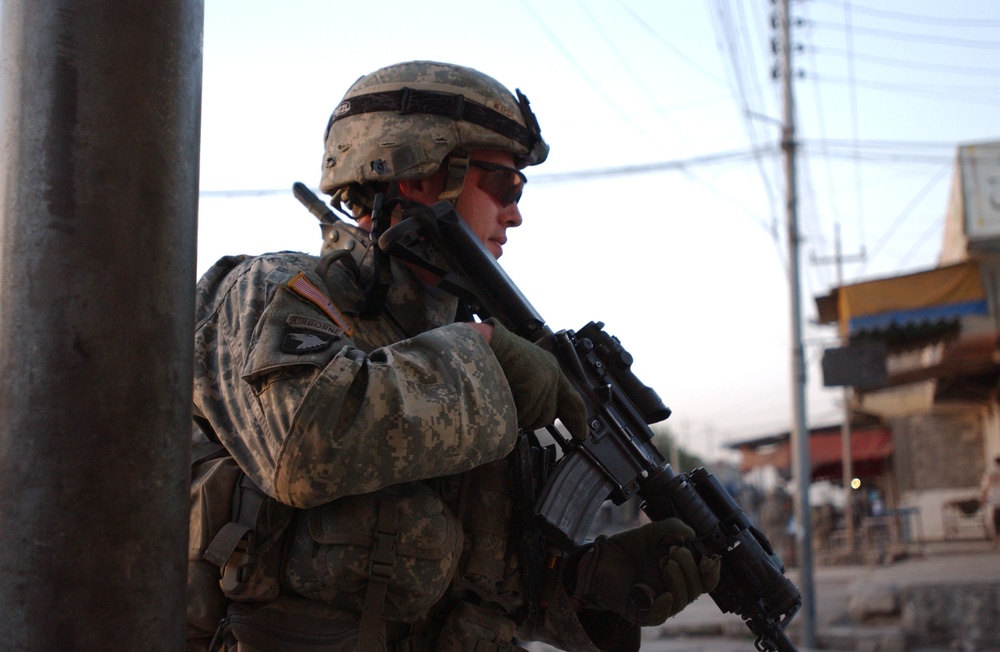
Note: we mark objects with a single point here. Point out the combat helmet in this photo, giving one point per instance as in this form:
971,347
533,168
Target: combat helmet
405,120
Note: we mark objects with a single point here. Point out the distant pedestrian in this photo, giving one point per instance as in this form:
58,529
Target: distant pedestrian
989,495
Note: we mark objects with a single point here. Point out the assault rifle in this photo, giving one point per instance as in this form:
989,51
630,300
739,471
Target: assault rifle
618,459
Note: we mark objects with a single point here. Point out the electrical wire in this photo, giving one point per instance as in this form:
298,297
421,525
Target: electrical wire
853,90
739,203
882,157
946,21
873,151
810,231
907,145
920,38
932,228
943,93
686,169
670,46
827,161
911,64
551,36
809,226
554,177
249,192
623,60
726,37
764,36
646,168
902,217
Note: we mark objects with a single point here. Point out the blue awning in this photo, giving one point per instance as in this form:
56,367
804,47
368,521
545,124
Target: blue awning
929,314
943,294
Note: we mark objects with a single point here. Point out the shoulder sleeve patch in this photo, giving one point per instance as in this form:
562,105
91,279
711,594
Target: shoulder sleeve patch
303,287
302,342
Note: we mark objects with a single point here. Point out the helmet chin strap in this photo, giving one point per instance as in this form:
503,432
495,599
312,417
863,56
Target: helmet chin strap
377,290
384,205
457,164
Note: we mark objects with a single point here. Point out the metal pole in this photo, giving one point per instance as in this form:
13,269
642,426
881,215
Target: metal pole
845,427
99,145
847,471
800,433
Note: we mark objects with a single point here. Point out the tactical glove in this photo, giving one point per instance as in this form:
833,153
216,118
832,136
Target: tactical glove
541,391
645,575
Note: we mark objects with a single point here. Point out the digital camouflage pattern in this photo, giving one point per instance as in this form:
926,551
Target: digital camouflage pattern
413,144
311,414
329,554
412,401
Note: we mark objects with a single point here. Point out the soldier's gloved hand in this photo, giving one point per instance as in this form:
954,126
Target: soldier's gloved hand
541,391
645,575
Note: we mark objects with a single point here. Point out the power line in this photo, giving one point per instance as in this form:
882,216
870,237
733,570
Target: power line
810,218
901,218
866,150
853,90
764,35
552,177
686,170
576,64
748,51
911,64
810,226
821,120
921,38
739,203
727,38
245,192
625,63
668,45
932,228
880,151
948,21
754,88
881,156
893,144
944,93
646,168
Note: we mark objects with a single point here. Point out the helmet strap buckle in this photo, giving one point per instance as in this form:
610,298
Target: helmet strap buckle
457,166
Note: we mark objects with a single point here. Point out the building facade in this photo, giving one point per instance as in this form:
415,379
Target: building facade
921,354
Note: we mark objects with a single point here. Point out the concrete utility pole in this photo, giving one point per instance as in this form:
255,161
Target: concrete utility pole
99,143
801,469
846,460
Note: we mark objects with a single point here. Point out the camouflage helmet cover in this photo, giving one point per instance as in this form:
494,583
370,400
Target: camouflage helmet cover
402,121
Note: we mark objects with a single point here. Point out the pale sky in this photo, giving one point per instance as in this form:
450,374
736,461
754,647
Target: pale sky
686,264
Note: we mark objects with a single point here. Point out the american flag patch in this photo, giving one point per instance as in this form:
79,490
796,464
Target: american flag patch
303,287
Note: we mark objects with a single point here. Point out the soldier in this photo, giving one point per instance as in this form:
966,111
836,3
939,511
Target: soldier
351,389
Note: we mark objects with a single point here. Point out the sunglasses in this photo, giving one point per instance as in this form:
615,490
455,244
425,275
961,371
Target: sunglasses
500,182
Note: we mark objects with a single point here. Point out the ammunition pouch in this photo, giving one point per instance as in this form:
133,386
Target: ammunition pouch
401,540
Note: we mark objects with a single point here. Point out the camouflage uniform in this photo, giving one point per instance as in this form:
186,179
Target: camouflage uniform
321,407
